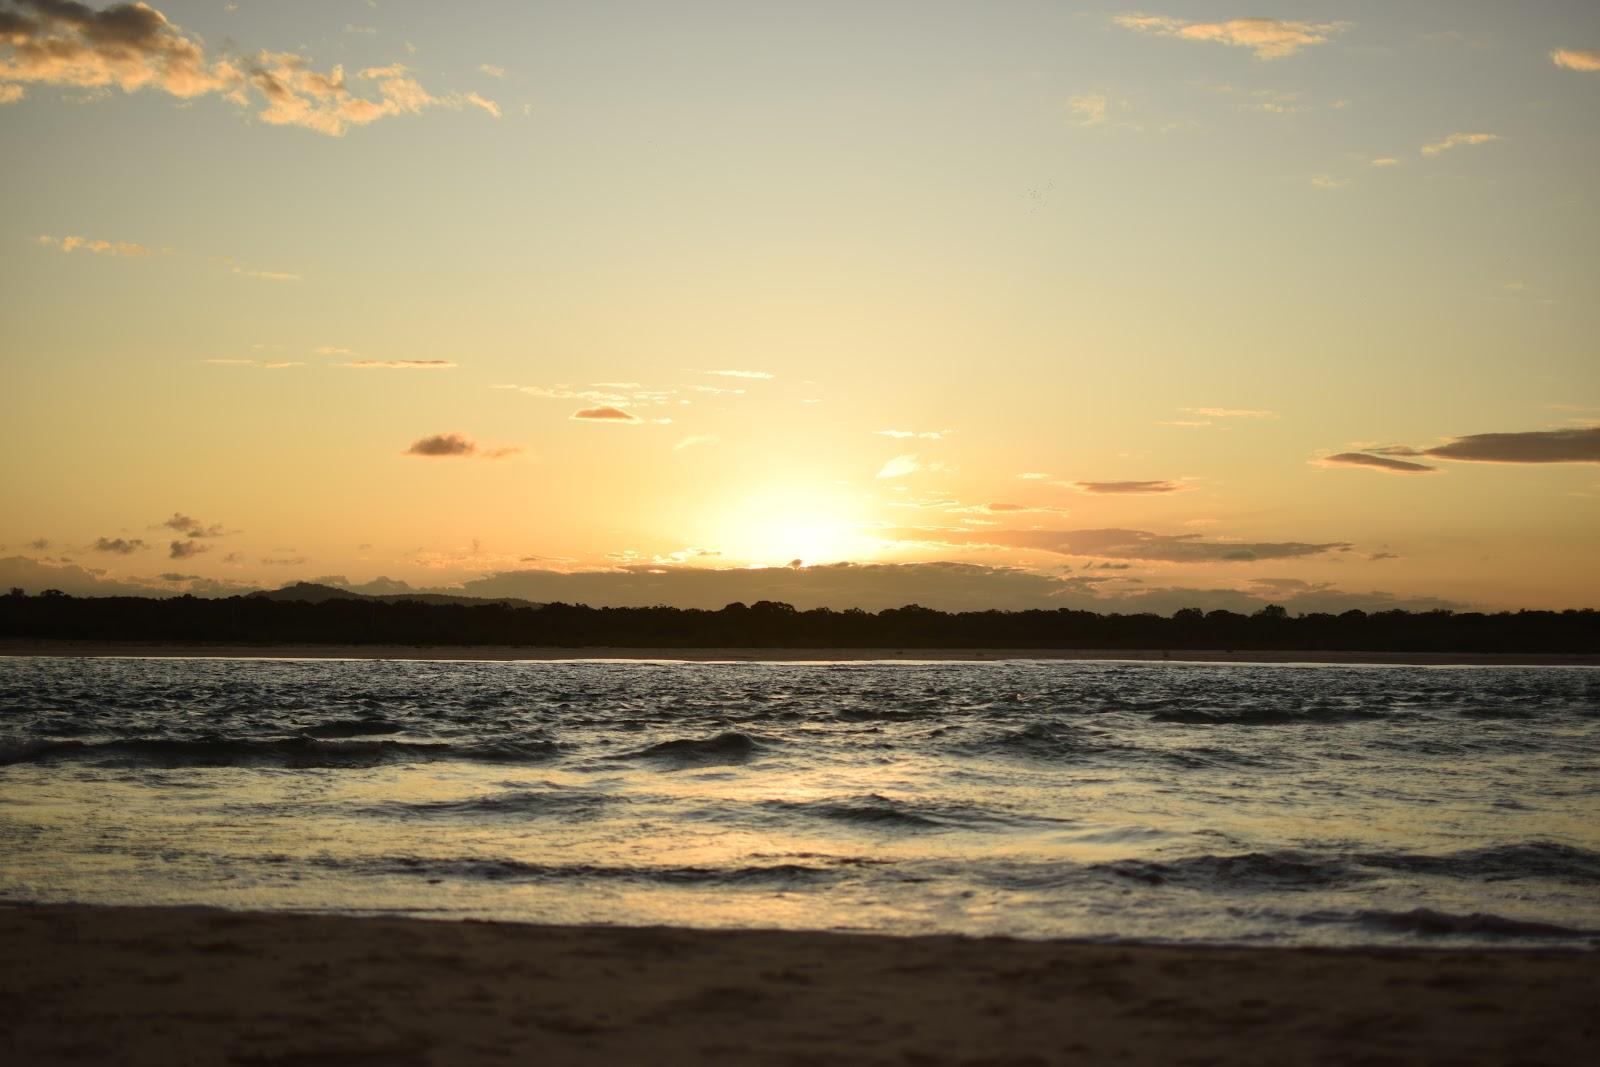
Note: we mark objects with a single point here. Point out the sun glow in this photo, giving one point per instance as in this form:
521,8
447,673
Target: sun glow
778,526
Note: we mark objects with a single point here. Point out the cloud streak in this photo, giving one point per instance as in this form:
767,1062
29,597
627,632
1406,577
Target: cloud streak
604,413
1580,445
398,364
1268,38
1383,463
1125,544
1130,487
1583,59
1457,140
98,247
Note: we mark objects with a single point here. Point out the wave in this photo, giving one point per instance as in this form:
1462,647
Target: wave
1042,741
292,752
1534,859
353,728
730,746
1251,870
1267,716
1427,922
565,803
779,874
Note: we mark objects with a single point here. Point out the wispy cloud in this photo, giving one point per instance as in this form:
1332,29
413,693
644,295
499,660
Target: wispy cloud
1584,59
1456,140
1130,487
1232,413
492,70
900,466
273,364
1328,181
1124,544
97,246
398,364
759,375
1384,161
265,275
1088,109
694,440
1387,464
917,435
1268,38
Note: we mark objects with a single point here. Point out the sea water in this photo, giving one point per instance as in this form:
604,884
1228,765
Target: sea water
1247,804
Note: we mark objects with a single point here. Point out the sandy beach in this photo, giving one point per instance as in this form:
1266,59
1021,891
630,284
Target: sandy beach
187,986
785,655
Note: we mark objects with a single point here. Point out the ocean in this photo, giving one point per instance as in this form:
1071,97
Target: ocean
1158,802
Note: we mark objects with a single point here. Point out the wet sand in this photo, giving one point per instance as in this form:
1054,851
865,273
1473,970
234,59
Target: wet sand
784,655
85,985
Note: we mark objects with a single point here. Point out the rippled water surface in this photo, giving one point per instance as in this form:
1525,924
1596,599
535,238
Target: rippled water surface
1239,803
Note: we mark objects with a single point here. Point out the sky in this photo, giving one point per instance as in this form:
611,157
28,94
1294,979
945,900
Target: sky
968,305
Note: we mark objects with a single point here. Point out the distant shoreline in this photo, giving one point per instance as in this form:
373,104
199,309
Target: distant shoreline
157,985
103,649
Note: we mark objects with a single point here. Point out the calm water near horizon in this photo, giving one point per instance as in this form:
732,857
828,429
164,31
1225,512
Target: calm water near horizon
1281,804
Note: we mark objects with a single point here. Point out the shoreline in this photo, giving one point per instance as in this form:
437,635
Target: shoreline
133,985
508,653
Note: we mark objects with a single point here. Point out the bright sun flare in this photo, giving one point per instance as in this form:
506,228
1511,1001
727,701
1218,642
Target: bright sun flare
777,526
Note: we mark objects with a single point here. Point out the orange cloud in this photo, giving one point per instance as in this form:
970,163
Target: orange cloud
1584,59
1268,38
98,247
398,364
603,414
134,47
1455,140
1130,487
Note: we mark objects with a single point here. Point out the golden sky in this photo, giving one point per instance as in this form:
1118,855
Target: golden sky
1000,304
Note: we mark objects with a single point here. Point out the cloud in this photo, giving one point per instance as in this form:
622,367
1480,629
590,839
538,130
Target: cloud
277,364
604,413
293,561
10,93
130,46
39,544
1328,181
900,466
1233,413
1088,109
332,350
192,527
122,546
399,364
492,70
923,435
1130,487
695,439
1457,139
1268,38
133,47
1584,59
1123,544
758,375
1033,476
1382,463
1535,446
483,103
442,444
98,247
265,275
186,549
1384,161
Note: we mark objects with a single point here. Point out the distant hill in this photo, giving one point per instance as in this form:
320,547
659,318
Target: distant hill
313,593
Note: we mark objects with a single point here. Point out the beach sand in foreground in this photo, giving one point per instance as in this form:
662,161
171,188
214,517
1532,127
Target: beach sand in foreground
784,655
174,986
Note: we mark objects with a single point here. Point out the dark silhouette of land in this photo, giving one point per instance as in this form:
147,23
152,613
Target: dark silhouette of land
354,620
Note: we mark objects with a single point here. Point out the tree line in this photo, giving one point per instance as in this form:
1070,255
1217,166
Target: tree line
251,620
